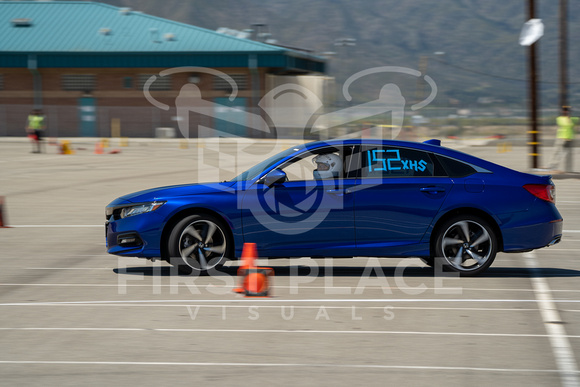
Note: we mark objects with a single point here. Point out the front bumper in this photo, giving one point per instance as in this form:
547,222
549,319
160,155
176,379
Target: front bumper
137,236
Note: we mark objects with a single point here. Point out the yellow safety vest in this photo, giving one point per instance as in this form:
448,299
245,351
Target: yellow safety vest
566,127
35,122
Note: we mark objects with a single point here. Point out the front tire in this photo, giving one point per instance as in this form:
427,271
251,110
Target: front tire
466,244
198,244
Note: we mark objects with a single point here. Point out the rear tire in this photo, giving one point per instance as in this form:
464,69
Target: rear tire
466,244
198,244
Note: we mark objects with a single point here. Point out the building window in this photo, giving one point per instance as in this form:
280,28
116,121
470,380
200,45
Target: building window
159,84
1,81
128,83
79,82
241,81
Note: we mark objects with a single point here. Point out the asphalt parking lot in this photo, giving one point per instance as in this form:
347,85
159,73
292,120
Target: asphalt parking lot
70,314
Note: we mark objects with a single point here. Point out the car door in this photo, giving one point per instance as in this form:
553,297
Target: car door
305,215
399,193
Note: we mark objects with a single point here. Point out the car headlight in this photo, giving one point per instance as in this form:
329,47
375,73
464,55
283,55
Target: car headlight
139,209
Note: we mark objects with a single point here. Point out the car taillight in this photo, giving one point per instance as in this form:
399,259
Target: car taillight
545,192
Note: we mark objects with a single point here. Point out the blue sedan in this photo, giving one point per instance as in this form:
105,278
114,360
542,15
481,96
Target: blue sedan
369,198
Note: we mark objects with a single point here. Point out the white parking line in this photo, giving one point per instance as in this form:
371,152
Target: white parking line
69,268
76,329
503,290
184,284
282,331
282,301
286,365
57,225
303,307
563,353
309,307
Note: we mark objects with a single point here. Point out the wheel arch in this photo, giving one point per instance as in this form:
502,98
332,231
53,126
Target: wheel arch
466,211
177,217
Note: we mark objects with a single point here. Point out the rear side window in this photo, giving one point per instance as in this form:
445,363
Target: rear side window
455,168
386,161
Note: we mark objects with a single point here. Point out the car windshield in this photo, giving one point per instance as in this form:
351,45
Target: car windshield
257,169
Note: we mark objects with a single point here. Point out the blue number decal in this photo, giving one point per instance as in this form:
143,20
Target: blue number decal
386,163
391,168
375,158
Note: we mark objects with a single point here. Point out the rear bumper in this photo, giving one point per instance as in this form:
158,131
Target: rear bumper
533,236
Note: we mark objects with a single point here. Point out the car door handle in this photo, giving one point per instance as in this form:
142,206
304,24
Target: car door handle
432,189
338,192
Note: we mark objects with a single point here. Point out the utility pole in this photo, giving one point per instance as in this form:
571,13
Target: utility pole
563,53
534,130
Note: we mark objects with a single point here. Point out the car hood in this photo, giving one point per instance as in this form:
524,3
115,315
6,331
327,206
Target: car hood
162,193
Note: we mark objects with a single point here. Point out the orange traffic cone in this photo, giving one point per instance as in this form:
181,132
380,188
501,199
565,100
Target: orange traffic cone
2,223
99,148
256,281
249,255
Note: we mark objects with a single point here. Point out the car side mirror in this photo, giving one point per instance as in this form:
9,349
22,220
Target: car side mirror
275,176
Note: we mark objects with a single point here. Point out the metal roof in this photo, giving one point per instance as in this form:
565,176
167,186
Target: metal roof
76,34
70,26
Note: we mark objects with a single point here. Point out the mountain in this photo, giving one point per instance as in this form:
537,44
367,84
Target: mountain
483,64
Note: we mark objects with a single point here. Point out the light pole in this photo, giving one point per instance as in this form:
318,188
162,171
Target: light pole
532,31
563,53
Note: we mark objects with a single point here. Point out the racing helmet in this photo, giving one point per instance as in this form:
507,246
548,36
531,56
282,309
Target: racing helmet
327,166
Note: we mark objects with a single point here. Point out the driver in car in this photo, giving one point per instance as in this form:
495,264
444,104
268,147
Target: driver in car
328,166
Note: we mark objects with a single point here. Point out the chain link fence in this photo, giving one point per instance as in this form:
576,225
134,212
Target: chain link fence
151,122
98,121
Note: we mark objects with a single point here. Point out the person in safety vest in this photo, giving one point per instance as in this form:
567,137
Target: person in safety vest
35,129
564,140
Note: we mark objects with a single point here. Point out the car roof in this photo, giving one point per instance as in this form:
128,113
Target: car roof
362,141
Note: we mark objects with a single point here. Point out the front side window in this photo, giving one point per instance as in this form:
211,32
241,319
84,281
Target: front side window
320,164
